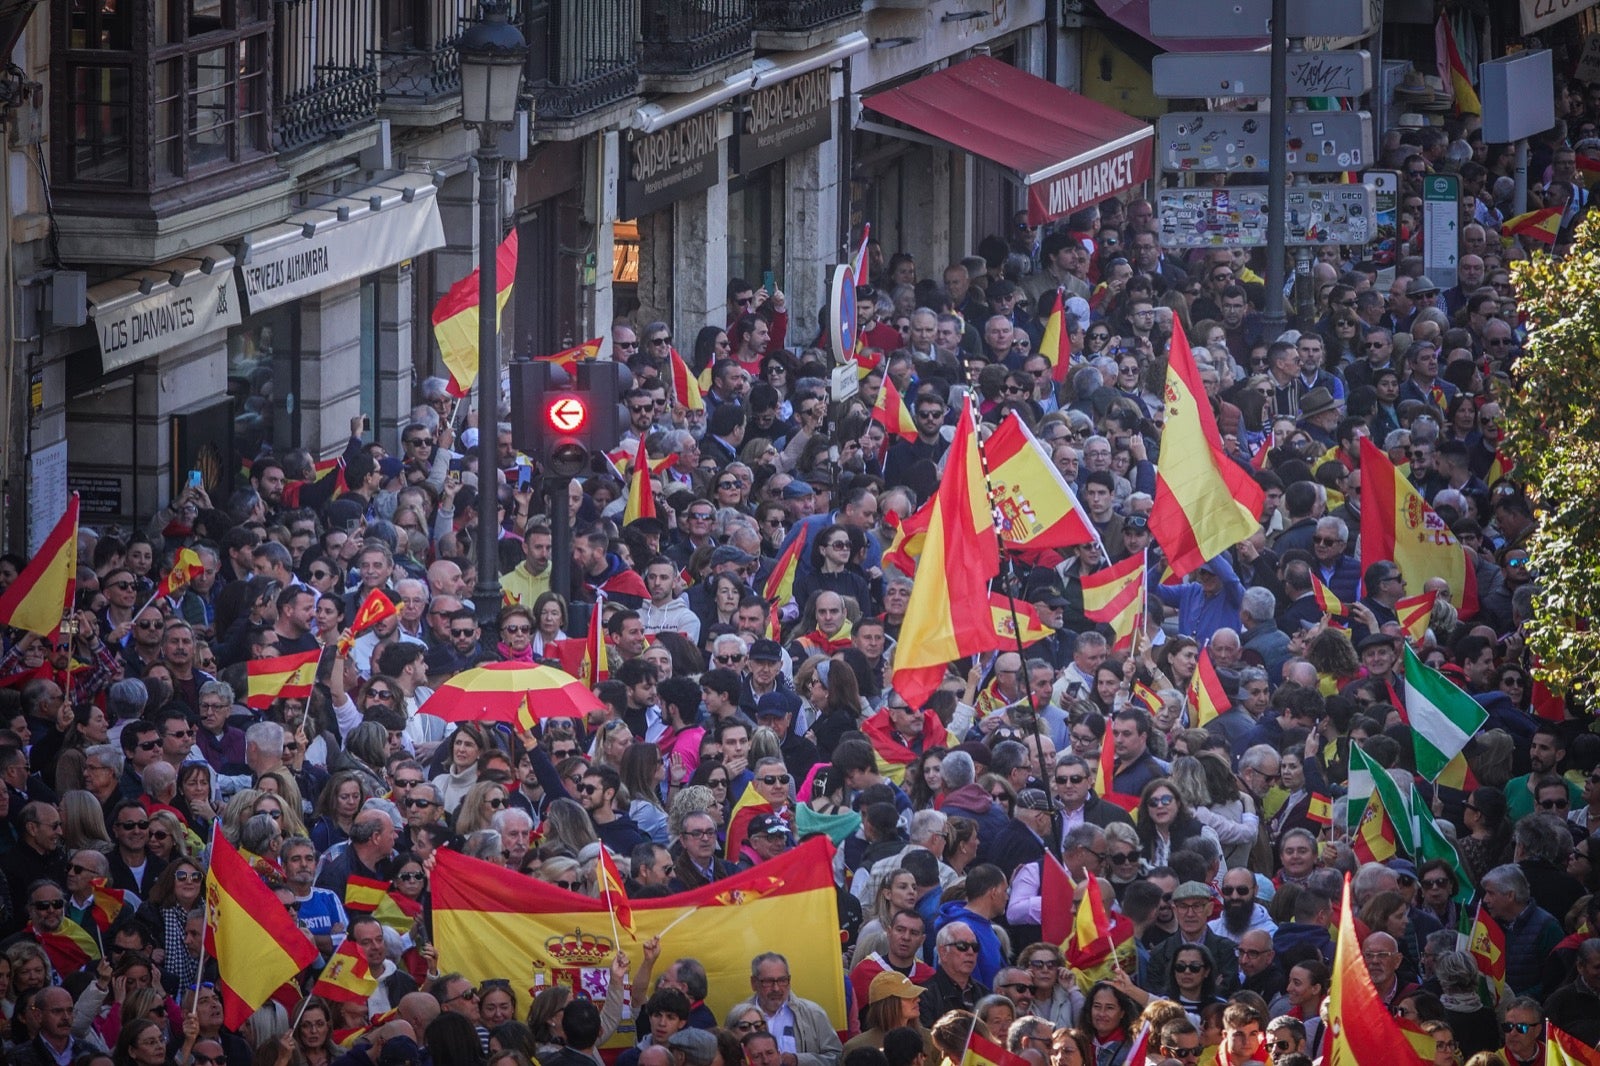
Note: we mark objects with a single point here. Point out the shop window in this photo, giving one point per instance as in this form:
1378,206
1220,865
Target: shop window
148,107
264,381
755,224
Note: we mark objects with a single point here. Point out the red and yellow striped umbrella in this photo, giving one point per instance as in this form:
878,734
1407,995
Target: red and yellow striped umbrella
515,693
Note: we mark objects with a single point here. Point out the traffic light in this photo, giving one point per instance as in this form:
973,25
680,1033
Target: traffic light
566,426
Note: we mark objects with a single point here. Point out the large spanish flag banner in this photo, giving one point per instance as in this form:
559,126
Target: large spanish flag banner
1036,506
1205,502
1398,525
455,317
948,616
254,939
39,597
1362,1029
490,922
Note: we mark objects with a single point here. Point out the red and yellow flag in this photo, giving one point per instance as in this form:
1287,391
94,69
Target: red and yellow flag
1205,502
948,616
1016,622
1037,508
909,535
982,1051
1105,775
1374,837
1542,225
779,587
1207,697
1114,595
1100,941
641,494
42,594
1457,774
347,978
108,903
1145,696
490,921
1452,71
1056,914
1502,466
1487,946
290,677
749,804
185,568
456,316
256,943
1398,525
890,412
1327,602
1056,343
368,896
374,609
1413,613
1320,809
893,756
611,890
569,358
69,948
1362,1029
1561,1048
685,389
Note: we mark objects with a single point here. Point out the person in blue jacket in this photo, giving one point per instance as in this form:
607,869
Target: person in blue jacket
987,891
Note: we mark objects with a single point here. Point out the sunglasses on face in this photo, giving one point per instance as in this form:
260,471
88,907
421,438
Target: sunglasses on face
1519,1027
1188,967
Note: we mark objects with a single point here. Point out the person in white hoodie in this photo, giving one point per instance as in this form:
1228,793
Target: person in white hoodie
668,609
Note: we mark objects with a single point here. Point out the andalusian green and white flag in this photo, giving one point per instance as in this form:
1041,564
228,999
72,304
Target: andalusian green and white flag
1367,777
1443,718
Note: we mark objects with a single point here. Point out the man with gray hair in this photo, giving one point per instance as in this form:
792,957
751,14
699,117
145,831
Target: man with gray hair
805,1035
222,745
1541,843
963,796
515,827
1531,932
1575,1007
102,769
1258,620
1088,652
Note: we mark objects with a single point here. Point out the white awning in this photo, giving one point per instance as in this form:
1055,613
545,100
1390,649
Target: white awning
149,311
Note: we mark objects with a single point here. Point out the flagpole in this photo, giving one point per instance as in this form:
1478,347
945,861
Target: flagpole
674,923
205,924
1054,841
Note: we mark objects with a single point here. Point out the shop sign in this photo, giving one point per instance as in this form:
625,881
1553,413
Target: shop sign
133,326
97,495
308,254
663,167
784,118
1537,14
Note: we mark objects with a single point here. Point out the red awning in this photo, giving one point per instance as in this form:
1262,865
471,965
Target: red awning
1070,151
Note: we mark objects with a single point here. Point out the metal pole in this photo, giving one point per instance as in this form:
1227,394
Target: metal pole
1519,198
1272,316
486,593
560,535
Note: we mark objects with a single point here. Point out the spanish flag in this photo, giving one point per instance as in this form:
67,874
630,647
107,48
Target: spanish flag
779,587
1542,225
256,943
1374,839
1397,524
1036,505
745,808
455,317
1207,697
1016,622
367,896
611,890
910,533
569,358
893,755
1361,1027
1452,71
1327,602
42,594
1114,595
490,921
108,903
685,389
641,494
583,657
1145,696
285,676
948,616
1101,941
1320,810
1056,344
185,568
1486,943
1561,1048
1205,502
347,978
374,609
982,1051
1502,466
890,412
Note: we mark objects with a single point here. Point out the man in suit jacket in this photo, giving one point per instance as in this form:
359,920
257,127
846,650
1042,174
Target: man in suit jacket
695,854
805,1035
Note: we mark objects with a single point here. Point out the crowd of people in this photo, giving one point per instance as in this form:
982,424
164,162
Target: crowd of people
127,742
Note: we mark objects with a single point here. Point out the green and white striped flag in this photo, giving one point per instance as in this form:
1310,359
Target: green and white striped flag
1369,776
1443,718
1432,844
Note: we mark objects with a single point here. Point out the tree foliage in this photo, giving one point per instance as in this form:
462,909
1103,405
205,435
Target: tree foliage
1553,420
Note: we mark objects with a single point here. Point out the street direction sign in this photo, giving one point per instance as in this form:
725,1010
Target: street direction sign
1237,142
1441,219
1237,216
1208,74
1225,19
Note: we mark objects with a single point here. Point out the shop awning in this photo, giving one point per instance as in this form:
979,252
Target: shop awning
342,239
163,307
1070,151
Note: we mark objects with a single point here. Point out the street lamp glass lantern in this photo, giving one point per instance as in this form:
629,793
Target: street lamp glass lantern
492,53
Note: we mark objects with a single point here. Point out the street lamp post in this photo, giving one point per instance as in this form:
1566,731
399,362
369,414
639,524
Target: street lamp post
492,51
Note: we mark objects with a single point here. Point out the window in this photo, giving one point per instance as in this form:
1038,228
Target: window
264,380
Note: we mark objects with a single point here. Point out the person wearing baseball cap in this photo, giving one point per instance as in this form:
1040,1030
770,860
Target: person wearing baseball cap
892,1003
766,837
777,711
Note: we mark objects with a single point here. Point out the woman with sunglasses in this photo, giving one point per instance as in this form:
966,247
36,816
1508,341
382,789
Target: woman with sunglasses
1056,996
483,801
1437,887
833,569
1164,822
1513,682
176,892
777,370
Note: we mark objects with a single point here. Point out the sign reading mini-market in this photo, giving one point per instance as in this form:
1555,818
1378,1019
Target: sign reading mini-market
663,167
784,118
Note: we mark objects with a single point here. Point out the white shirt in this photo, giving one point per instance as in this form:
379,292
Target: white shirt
781,1026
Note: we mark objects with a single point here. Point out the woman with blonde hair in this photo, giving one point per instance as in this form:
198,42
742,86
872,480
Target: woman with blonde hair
569,825
611,740
564,872
282,795
169,839
691,799
83,822
483,801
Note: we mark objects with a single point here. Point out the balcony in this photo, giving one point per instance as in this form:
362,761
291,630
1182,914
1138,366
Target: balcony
419,69
794,25
326,81
583,64
688,44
